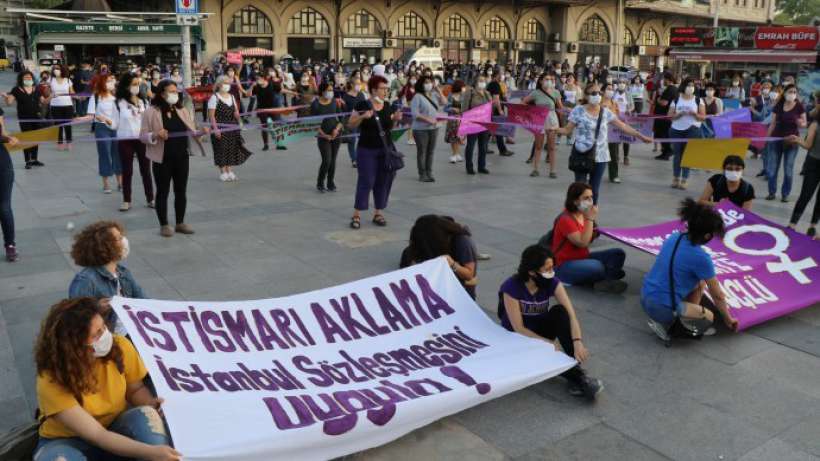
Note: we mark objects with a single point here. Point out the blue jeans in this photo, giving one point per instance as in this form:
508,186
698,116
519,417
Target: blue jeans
677,149
780,151
351,147
142,424
601,265
661,312
107,154
482,139
6,184
593,178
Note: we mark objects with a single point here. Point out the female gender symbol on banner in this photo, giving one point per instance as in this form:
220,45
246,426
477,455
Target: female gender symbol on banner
781,244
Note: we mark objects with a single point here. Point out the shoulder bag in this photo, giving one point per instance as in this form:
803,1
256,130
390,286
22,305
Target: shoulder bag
393,159
583,162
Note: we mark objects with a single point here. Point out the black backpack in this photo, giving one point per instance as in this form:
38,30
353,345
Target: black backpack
546,240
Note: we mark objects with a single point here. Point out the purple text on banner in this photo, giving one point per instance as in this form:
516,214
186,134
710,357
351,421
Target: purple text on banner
500,126
751,130
722,124
766,270
481,113
531,118
642,124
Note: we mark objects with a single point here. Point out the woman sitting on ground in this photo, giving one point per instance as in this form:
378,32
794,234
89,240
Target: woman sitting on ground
524,307
433,236
573,233
692,272
100,249
729,185
92,400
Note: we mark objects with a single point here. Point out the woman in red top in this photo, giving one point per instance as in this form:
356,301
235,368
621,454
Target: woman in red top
573,234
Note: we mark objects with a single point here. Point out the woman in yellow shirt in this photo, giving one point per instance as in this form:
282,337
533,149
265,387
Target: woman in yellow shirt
90,391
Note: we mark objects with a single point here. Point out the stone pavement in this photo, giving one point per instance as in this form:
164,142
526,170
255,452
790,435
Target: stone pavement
750,396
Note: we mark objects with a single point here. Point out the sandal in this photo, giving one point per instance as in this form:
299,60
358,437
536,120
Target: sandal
355,222
379,220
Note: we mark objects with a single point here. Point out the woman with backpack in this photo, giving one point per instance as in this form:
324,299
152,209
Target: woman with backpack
674,287
130,108
687,113
729,185
424,107
102,108
545,95
326,106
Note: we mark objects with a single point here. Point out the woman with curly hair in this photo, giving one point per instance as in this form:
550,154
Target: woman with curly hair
93,403
100,249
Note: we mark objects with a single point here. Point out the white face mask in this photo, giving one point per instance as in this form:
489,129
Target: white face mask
126,248
225,88
790,97
412,81
622,86
710,93
608,93
549,84
548,275
595,99
328,95
57,72
378,99
428,87
172,98
28,82
135,90
585,205
690,90
102,346
735,83
481,85
765,91
733,176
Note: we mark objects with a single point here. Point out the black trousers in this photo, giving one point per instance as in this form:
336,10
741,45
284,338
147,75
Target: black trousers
329,150
30,154
63,112
811,183
174,168
556,324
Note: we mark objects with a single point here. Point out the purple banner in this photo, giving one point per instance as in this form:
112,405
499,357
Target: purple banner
766,270
722,124
643,124
482,113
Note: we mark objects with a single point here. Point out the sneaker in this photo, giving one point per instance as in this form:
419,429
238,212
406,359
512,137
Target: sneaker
506,153
150,204
453,159
616,180
37,163
29,165
166,231
106,190
354,165
587,387
662,157
490,152
224,177
232,176
125,206
611,286
11,253
626,161
184,229
331,187
785,199
483,257
675,183
569,142
320,188
528,161
534,173
265,147
553,175
483,171
470,171
770,197
411,141
682,185
68,146
281,148
459,158
659,330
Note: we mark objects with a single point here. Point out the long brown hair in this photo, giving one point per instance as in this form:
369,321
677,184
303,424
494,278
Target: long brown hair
61,350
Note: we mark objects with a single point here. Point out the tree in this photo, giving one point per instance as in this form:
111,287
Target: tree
798,12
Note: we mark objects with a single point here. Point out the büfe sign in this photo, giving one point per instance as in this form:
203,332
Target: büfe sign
331,372
786,38
765,270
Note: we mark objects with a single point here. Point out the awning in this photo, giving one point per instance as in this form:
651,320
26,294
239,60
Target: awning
255,52
767,56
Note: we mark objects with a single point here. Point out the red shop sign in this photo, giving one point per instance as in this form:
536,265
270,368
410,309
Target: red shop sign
786,38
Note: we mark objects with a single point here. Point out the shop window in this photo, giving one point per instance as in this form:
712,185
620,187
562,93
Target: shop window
495,29
457,27
650,37
362,23
594,30
250,20
457,35
411,25
308,22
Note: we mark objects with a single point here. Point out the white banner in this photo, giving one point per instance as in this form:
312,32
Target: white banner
331,372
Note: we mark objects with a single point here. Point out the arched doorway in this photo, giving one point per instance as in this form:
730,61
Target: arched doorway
533,36
362,39
410,33
497,34
650,41
308,35
630,54
456,43
250,28
594,41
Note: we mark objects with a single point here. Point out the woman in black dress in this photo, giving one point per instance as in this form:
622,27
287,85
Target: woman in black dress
29,102
223,112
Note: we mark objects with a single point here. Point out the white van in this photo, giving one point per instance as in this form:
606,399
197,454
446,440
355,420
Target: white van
430,57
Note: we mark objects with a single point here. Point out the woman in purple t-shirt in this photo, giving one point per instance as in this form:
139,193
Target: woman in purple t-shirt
523,307
788,116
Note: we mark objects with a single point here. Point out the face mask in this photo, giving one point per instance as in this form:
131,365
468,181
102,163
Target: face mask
126,248
102,346
328,95
262,83
172,98
110,86
621,86
548,275
231,74
28,82
790,97
549,84
428,87
481,85
226,88
690,90
134,90
378,99
412,81
765,91
710,93
735,83
608,93
585,205
145,75
733,175
156,76
595,99
57,72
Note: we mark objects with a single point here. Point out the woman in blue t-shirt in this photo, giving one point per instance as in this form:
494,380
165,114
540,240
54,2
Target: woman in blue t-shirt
523,307
692,272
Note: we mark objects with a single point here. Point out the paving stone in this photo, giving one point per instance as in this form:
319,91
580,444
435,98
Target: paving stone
591,443
779,450
805,435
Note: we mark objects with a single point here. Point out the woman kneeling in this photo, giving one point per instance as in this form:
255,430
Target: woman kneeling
93,404
523,307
